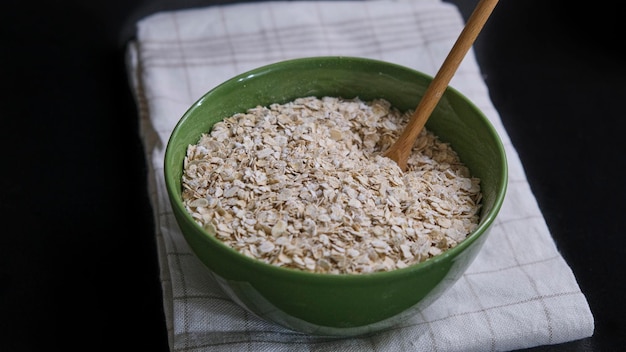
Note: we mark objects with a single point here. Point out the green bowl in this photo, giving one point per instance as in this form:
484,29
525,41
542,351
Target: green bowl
338,304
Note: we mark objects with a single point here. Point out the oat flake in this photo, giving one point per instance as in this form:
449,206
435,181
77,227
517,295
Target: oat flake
304,185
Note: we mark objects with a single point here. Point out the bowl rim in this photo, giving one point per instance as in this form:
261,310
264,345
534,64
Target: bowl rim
485,222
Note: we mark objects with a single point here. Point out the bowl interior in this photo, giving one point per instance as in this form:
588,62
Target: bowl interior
344,304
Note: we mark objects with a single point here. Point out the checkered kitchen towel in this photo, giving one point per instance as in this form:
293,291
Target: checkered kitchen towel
518,293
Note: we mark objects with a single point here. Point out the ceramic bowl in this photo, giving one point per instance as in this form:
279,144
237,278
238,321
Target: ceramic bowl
338,304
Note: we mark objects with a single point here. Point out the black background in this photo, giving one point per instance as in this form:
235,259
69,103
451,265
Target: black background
78,264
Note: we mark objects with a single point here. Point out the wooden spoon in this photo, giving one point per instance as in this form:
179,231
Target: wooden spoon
401,149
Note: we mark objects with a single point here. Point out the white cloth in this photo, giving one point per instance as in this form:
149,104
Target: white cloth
518,293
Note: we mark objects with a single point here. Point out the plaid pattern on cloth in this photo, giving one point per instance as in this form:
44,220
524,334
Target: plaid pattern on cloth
518,293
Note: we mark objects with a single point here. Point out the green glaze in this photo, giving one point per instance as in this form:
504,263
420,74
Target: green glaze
350,304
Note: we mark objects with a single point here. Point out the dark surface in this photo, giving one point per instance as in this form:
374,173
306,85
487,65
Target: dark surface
78,264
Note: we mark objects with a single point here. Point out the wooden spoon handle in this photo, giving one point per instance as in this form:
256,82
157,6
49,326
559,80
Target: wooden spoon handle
401,149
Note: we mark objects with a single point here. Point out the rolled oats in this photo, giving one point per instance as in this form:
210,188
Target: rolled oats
304,185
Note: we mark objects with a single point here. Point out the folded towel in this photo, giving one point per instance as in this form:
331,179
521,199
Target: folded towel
518,293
